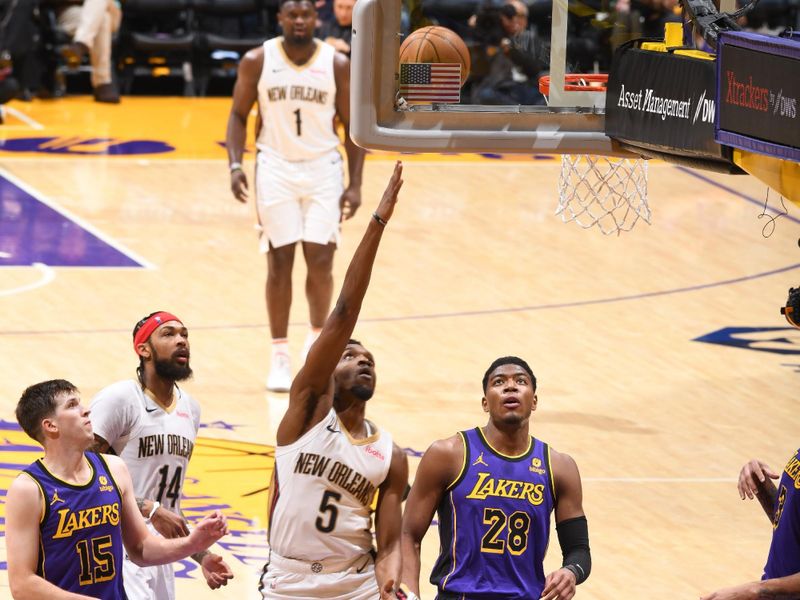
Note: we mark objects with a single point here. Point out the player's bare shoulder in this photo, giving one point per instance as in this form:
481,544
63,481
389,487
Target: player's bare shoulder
25,488
252,62
564,471
341,67
562,462
118,469
443,459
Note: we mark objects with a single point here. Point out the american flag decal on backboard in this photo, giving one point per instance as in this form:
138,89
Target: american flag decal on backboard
430,82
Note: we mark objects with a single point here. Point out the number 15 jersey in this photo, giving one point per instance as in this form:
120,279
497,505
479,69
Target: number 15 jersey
155,443
323,487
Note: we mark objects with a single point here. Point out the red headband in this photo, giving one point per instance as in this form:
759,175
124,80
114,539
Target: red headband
154,322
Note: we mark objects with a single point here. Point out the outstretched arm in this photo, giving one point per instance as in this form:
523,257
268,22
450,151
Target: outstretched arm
351,198
782,588
245,94
310,396
387,523
437,470
573,534
146,549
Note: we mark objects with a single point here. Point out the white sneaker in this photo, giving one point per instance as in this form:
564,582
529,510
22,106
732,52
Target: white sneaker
280,373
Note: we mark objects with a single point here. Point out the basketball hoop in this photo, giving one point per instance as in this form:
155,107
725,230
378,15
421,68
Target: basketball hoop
605,191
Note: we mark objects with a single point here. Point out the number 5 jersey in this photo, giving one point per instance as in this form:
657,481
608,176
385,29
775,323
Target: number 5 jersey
323,489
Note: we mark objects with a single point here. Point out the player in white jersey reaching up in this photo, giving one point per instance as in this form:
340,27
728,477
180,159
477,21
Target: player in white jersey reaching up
152,425
330,460
301,84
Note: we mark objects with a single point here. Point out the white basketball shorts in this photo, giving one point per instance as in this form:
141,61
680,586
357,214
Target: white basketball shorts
148,583
298,200
288,579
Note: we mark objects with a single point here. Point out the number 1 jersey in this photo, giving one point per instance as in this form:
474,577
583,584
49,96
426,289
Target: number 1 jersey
155,443
322,492
297,103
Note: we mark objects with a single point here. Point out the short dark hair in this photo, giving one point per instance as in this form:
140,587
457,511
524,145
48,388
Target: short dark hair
39,402
508,360
354,342
282,2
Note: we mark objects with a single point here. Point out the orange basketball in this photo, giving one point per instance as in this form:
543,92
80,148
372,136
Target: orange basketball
436,45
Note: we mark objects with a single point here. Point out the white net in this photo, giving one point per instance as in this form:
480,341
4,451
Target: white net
608,192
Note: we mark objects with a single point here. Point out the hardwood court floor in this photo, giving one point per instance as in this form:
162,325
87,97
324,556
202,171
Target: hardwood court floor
474,265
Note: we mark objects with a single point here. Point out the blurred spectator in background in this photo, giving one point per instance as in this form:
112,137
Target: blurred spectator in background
338,31
507,58
92,24
324,11
19,40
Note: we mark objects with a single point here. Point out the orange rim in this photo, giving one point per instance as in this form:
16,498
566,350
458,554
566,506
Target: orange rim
575,82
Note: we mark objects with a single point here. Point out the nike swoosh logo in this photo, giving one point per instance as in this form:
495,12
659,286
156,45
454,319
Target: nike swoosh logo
151,409
328,427
364,566
278,70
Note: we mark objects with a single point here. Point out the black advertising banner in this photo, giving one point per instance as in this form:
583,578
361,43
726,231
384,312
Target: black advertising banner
663,101
759,83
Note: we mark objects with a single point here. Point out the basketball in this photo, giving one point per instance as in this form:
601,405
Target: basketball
436,44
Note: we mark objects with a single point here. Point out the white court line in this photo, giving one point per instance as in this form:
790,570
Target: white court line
75,219
47,275
660,479
24,118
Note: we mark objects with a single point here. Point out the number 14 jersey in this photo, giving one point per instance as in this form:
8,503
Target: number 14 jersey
154,442
322,492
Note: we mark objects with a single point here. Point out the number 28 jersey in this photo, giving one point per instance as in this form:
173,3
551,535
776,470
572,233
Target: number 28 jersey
297,103
322,492
155,443
494,523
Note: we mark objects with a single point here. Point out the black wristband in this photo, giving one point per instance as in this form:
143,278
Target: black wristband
378,220
573,535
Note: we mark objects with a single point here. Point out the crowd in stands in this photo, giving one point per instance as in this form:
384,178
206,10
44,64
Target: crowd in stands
43,41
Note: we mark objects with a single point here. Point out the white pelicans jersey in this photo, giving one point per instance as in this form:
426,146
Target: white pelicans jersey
323,489
297,103
155,444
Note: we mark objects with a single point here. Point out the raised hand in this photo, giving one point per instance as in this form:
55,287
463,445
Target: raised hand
386,206
216,571
752,476
213,527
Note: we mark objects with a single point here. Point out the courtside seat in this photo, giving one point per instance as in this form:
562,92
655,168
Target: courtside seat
226,30
53,40
157,39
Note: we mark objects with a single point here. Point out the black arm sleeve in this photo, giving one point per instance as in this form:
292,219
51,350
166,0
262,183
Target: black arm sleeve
573,536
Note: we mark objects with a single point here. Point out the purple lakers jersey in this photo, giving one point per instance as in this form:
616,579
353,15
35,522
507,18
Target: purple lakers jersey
494,523
784,553
81,541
